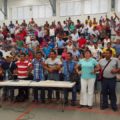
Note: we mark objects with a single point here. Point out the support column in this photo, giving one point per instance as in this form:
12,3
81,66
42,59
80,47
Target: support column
112,5
53,5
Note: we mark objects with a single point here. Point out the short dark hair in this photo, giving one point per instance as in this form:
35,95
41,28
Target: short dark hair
70,54
53,51
23,54
109,50
109,43
87,51
39,53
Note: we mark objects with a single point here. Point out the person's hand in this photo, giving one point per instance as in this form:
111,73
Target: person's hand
50,70
79,72
113,71
94,71
42,63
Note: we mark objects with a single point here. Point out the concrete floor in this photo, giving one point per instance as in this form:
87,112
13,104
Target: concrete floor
53,111
32,111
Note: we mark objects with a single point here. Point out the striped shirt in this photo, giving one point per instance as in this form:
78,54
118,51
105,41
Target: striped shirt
22,67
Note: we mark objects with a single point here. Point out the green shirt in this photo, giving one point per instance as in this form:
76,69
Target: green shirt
87,67
20,43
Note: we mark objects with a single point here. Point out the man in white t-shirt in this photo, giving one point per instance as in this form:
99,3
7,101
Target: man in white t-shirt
28,41
53,65
35,43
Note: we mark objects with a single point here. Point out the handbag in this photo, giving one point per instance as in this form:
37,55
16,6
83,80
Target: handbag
100,77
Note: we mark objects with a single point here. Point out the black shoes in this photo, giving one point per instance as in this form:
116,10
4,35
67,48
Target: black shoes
104,107
82,106
85,106
65,102
73,104
115,109
89,107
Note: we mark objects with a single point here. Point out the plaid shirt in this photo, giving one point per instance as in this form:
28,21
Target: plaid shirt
38,69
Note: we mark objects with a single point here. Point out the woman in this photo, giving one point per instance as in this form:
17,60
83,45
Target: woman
69,46
89,67
106,40
64,54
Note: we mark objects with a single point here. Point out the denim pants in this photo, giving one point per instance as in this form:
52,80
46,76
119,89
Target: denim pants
74,91
36,94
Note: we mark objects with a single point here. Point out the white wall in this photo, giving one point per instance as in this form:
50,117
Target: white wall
21,3
18,3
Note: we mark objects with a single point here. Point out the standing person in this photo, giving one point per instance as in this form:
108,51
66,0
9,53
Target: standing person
69,68
53,65
8,67
110,67
38,69
23,70
109,46
60,45
89,67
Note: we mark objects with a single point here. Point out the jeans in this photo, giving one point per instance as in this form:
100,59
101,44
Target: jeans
36,94
108,86
74,91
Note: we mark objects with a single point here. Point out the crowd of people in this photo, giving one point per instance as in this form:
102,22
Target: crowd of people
58,51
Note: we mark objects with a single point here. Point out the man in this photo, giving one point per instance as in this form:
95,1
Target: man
53,65
38,69
69,68
60,45
110,48
110,66
117,47
46,50
75,52
23,70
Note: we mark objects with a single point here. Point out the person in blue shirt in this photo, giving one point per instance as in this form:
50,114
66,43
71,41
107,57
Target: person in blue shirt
60,45
117,47
38,75
75,52
69,68
89,67
46,50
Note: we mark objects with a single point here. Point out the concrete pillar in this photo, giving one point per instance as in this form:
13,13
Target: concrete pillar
53,5
5,8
